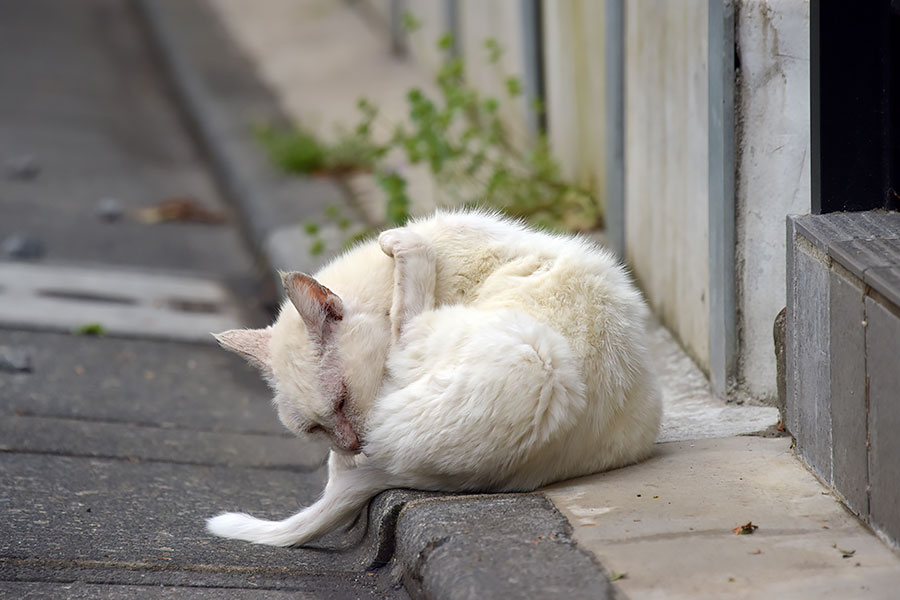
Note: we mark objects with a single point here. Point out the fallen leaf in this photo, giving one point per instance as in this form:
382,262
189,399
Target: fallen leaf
613,576
780,426
757,551
745,529
182,209
845,553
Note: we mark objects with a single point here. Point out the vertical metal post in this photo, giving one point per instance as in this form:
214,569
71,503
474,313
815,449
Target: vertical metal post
398,34
533,67
451,23
615,125
722,315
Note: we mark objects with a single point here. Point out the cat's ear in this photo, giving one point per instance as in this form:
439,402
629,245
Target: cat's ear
252,344
318,306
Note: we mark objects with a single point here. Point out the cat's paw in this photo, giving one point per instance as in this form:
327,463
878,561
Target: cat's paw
387,240
401,240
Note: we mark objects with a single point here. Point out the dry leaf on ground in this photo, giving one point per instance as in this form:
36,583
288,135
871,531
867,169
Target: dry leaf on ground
183,209
745,529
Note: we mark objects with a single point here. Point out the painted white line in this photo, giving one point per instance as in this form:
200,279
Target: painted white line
124,302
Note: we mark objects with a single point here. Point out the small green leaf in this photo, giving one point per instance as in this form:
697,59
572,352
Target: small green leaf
410,22
394,186
317,247
94,329
613,576
495,51
445,42
513,86
311,228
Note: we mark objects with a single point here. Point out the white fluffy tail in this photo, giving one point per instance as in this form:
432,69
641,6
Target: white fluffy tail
344,496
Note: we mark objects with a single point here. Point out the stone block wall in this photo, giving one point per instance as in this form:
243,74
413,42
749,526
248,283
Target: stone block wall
843,357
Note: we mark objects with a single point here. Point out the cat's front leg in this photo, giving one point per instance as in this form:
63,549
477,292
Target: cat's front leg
414,275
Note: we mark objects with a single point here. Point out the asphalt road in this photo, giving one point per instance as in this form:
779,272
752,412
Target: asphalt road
113,449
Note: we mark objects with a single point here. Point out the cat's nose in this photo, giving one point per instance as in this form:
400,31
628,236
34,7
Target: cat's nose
344,436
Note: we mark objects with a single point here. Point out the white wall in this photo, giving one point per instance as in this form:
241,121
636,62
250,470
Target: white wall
772,180
500,20
575,59
666,155
433,24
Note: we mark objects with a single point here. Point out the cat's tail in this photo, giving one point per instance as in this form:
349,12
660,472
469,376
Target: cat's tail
344,496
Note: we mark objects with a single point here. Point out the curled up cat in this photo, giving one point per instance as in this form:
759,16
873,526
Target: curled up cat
463,352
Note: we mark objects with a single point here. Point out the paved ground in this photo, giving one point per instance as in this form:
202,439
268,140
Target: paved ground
114,449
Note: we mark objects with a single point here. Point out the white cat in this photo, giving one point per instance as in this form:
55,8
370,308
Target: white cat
462,352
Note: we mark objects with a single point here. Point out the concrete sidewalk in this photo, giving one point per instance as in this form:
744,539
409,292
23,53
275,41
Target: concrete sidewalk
661,529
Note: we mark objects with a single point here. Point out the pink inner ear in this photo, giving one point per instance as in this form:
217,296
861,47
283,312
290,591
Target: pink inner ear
317,305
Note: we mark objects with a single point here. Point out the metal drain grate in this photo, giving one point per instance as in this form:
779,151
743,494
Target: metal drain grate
123,302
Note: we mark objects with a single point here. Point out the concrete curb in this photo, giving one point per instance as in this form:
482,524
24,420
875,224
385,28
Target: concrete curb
519,546
487,546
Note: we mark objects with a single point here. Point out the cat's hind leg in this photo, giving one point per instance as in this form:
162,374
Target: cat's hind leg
414,275
346,494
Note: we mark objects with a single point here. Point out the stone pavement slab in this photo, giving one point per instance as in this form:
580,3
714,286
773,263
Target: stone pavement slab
160,384
667,525
125,302
86,591
75,437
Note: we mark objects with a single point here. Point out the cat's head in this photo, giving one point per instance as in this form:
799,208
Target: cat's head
323,360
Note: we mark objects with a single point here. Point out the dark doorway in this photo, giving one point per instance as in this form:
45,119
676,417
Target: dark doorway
855,105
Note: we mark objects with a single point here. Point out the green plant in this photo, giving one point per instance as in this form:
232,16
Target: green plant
298,150
459,135
333,214
461,138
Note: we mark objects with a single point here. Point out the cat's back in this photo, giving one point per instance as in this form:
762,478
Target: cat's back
472,247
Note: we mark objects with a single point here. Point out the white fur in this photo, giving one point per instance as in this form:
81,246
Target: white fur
479,355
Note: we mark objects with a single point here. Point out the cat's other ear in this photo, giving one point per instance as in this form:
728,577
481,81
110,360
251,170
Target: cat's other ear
318,306
252,344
